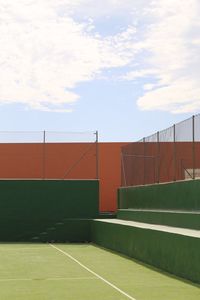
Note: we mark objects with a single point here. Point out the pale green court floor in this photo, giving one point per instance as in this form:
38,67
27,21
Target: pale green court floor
82,272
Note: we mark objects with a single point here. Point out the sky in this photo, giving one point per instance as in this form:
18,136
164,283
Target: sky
126,68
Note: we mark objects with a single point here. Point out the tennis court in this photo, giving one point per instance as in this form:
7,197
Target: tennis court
82,272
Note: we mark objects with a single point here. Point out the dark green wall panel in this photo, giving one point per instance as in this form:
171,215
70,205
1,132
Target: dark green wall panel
177,219
176,254
71,230
179,195
28,207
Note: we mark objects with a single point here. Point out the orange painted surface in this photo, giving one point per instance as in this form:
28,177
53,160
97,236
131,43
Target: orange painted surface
70,160
78,161
110,174
21,160
66,160
164,162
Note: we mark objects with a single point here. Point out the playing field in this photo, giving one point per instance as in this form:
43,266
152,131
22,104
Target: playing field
82,272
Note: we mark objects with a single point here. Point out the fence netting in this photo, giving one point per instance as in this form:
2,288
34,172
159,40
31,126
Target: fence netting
168,155
49,155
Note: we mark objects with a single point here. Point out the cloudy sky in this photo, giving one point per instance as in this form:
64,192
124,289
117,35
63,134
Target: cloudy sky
124,67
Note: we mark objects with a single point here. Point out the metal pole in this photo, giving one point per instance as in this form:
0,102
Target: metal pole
44,158
123,169
97,154
193,146
144,177
174,150
158,157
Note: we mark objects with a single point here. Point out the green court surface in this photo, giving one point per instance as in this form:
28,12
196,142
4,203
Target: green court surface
83,272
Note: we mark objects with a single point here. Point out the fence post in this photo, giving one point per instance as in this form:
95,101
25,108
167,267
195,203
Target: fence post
193,146
144,177
123,169
44,154
97,154
174,150
158,157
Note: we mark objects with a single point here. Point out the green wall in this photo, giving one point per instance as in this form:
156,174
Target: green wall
174,253
183,195
177,219
70,230
29,207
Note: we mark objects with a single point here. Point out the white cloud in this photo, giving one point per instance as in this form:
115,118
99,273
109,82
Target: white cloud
108,8
172,50
48,47
143,73
45,53
180,97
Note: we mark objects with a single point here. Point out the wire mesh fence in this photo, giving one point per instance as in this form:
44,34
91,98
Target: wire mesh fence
48,154
168,155
12,137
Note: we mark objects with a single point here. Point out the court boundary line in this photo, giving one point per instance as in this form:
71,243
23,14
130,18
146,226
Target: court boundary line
23,248
47,279
92,272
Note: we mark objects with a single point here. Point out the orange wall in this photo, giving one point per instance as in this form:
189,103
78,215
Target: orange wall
75,160
167,163
110,174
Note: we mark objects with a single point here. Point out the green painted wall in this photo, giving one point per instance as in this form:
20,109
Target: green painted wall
176,254
177,219
29,207
183,195
71,230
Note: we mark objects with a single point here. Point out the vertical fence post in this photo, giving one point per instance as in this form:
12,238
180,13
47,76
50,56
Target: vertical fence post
174,150
144,177
97,154
123,169
44,154
158,157
193,146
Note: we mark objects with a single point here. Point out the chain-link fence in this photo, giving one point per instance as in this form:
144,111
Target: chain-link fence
168,155
45,155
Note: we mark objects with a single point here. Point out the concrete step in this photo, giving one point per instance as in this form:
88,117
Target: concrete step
172,249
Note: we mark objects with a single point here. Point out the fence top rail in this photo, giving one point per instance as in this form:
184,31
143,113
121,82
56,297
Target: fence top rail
187,130
48,136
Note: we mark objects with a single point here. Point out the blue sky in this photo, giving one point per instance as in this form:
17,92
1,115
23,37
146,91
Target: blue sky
126,68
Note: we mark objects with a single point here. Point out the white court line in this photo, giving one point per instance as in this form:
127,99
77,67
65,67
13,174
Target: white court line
41,279
94,273
16,249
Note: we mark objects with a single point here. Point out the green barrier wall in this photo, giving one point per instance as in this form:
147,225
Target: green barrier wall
71,230
183,195
176,219
177,254
29,207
